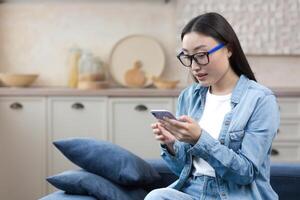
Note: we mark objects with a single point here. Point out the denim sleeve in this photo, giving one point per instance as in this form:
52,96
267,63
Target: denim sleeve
242,166
175,162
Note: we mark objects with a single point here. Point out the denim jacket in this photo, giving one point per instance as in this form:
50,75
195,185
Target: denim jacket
241,155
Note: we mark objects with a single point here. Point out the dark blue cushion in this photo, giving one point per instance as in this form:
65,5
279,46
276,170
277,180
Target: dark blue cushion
84,183
285,179
108,160
68,181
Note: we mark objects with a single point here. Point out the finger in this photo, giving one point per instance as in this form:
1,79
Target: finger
164,131
161,128
176,124
153,126
185,118
167,134
161,121
157,131
160,137
171,130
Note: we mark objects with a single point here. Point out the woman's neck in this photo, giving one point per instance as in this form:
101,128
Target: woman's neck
226,84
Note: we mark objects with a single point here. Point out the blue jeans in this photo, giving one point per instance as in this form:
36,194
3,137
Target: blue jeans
196,188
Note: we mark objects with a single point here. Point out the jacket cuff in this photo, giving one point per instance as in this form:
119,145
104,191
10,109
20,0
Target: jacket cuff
204,145
165,151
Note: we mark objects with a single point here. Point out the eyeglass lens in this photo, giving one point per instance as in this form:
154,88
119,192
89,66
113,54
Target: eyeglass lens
200,58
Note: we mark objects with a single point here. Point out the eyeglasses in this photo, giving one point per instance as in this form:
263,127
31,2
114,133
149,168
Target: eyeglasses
201,58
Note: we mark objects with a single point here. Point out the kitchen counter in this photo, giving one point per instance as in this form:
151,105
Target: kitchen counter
111,92
116,92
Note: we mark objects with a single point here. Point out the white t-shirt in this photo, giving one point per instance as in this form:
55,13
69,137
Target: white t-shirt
216,106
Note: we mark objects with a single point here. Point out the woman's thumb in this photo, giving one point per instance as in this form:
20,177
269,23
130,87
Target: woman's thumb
185,118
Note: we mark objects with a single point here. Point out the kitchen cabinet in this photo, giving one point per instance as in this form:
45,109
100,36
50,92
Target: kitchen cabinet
22,148
286,146
130,120
74,117
175,100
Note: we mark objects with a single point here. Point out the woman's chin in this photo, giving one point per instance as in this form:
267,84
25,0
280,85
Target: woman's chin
204,83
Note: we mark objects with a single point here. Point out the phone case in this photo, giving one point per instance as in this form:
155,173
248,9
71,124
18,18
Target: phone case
159,114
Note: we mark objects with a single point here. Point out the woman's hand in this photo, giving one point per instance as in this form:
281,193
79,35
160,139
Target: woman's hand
185,129
162,135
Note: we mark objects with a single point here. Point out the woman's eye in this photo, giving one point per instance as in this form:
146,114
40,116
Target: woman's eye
200,56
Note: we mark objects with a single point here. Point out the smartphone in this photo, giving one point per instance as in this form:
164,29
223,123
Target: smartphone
159,114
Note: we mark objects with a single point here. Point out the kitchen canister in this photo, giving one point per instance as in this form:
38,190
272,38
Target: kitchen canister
92,74
74,57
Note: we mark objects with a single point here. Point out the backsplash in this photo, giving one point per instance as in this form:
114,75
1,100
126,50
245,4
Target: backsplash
36,36
263,27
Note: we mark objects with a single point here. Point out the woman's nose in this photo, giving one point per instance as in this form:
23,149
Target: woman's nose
195,66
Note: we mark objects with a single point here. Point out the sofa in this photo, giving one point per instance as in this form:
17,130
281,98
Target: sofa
285,180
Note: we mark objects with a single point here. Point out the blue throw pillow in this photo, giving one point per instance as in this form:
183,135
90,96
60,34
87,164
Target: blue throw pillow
108,160
81,182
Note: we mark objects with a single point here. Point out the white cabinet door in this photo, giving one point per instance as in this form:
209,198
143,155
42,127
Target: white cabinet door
286,147
22,148
175,100
130,121
74,117
285,152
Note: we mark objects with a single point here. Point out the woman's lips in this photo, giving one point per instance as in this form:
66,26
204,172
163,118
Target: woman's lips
201,76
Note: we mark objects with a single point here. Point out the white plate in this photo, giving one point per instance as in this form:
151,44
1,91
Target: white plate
133,48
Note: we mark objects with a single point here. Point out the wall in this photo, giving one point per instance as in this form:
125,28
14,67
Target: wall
35,37
263,27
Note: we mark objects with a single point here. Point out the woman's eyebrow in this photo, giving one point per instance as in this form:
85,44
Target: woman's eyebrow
196,48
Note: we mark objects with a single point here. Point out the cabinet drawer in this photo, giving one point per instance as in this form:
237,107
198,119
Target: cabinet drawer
289,130
130,121
289,107
75,117
285,152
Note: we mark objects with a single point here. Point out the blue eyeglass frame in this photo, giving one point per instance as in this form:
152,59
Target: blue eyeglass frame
192,57
216,48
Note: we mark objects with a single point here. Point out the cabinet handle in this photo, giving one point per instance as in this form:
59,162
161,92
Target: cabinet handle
16,106
141,108
78,106
274,152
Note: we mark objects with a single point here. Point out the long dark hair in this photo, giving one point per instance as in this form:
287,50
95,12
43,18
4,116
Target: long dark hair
216,26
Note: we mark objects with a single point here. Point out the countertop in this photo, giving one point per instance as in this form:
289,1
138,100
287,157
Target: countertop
116,92
111,92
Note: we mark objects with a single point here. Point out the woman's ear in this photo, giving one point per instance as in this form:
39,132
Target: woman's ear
229,52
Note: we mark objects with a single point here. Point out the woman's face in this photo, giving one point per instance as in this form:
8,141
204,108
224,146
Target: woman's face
217,68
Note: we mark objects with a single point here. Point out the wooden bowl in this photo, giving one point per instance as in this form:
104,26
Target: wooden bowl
17,80
164,84
92,85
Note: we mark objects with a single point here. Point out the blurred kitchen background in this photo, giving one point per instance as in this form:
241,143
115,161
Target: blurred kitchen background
36,35
55,39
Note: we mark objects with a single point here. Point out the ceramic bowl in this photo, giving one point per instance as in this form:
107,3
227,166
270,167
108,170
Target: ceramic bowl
17,80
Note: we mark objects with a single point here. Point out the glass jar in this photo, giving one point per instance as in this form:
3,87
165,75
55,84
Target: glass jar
91,68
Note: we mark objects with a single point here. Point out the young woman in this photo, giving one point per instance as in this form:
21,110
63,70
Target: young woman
220,145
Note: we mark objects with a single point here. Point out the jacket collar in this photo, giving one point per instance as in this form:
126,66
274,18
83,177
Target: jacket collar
237,92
